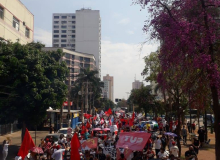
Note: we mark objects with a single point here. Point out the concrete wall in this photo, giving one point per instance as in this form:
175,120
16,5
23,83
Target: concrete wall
14,8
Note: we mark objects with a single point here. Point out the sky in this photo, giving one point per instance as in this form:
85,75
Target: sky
122,35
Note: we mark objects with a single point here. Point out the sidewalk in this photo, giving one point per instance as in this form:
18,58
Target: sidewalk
16,142
207,152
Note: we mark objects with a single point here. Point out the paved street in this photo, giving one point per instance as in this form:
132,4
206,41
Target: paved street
16,142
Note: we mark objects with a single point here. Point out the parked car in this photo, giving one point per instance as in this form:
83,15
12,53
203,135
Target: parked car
63,131
54,136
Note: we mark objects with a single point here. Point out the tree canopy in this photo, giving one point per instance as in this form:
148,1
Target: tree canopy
31,81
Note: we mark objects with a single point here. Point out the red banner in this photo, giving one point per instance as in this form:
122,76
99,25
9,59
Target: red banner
135,141
66,103
90,143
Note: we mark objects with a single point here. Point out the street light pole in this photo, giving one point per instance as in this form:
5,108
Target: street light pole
69,90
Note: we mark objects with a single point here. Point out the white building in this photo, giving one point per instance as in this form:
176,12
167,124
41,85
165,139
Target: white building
16,22
80,31
108,87
136,84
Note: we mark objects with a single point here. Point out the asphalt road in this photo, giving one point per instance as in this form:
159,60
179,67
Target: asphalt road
16,142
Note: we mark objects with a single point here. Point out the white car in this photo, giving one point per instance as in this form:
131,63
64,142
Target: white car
63,131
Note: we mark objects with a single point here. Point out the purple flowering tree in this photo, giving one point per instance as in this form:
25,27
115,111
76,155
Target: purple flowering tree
189,32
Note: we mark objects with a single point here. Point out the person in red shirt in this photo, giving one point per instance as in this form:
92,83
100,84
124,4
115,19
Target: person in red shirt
171,125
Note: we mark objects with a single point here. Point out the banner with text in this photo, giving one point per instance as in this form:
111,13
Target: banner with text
135,141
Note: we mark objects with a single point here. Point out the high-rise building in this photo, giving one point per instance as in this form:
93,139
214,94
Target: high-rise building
80,31
108,87
75,60
136,84
16,22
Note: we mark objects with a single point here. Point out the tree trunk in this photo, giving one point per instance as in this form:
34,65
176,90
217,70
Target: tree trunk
23,130
77,103
179,112
216,110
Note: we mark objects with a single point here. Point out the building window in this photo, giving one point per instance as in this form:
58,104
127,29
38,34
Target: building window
73,27
56,22
73,36
55,26
63,36
67,55
73,17
81,58
73,31
67,62
56,41
87,65
64,17
56,31
73,57
63,26
55,45
27,32
56,17
55,36
63,40
1,12
73,22
63,45
16,23
63,22
63,31
87,59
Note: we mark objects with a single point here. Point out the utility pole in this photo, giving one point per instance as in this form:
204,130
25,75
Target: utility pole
87,88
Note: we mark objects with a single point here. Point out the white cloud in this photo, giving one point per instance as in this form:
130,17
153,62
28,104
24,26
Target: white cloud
130,32
124,61
124,21
43,36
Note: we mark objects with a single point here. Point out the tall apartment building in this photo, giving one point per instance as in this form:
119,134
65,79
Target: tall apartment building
80,31
136,84
75,60
108,87
16,22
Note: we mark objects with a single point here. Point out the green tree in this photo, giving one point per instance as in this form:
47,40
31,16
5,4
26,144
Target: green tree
94,87
142,98
31,81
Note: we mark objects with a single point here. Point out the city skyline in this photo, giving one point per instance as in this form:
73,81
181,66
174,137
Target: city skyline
121,40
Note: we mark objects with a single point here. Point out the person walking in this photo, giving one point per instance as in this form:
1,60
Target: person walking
184,134
5,149
157,143
201,133
174,150
188,126
196,144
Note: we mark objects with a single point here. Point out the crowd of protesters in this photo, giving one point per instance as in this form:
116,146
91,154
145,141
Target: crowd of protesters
162,143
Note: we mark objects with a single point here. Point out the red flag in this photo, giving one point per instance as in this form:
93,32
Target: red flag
83,130
26,145
90,120
75,144
109,111
87,116
95,118
130,122
133,116
87,125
